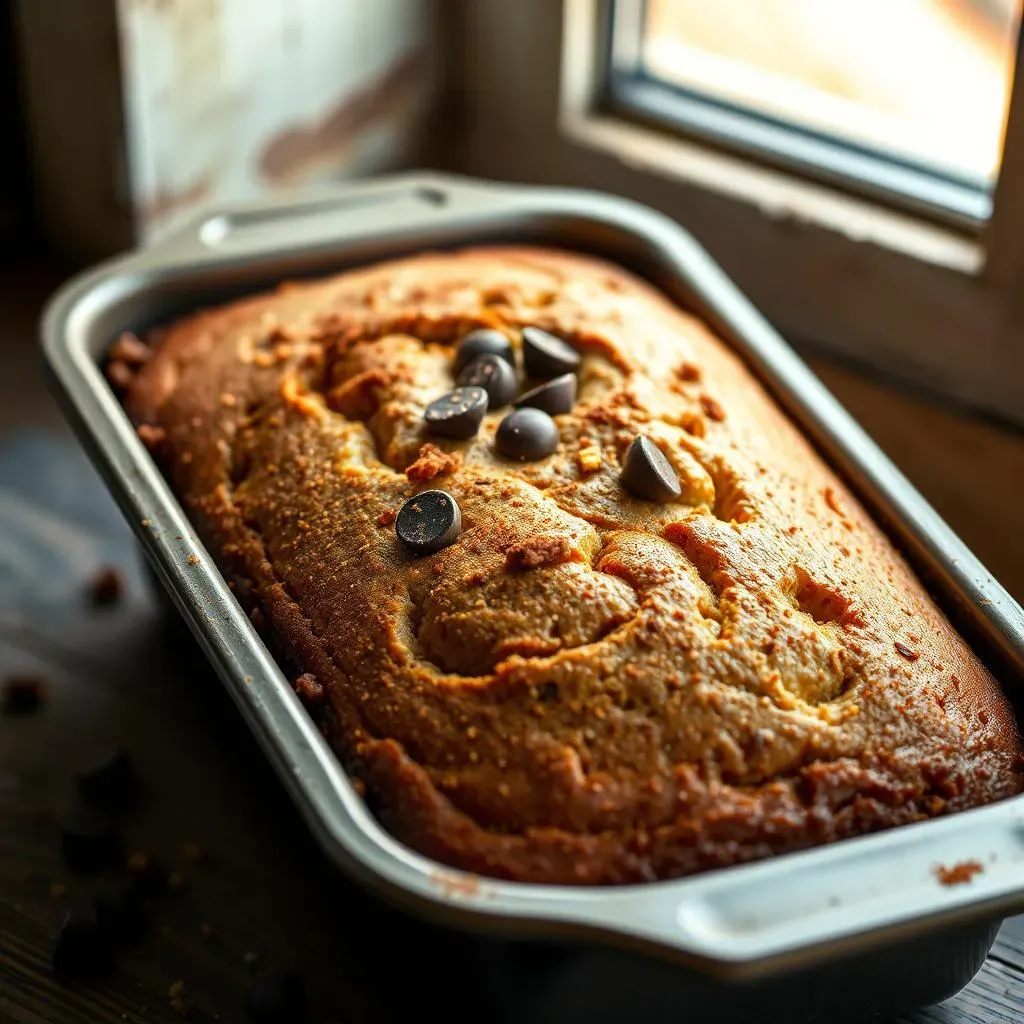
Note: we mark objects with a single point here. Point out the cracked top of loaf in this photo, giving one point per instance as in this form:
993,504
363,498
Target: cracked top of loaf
585,687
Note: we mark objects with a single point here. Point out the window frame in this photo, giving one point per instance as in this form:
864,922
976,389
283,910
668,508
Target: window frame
931,304
633,93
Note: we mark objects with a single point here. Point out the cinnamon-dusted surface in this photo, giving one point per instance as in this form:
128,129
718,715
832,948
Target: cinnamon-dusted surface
676,687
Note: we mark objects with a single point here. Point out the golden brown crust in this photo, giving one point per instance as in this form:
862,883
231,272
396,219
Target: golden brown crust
585,688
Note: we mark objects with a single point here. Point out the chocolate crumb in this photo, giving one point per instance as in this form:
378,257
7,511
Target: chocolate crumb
105,586
431,461
309,688
22,695
958,874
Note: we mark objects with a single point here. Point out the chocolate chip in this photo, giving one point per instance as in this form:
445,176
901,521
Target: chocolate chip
429,522
121,910
553,397
544,355
647,474
458,414
495,376
278,998
526,435
106,778
22,695
89,840
82,948
483,342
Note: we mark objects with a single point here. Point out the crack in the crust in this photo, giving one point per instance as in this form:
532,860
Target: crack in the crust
805,791
704,558
732,501
825,604
557,625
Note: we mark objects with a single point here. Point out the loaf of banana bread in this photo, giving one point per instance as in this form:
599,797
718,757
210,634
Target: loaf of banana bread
564,588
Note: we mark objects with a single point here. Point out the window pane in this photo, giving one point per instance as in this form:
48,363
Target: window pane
926,80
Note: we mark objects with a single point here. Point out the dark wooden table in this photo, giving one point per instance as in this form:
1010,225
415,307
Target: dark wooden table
260,896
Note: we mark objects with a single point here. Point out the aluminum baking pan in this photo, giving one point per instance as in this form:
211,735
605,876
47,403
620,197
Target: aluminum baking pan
792,911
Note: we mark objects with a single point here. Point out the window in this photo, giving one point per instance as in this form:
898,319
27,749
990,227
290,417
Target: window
902,99
856,166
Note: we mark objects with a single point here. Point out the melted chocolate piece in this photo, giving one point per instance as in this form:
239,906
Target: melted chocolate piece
483,342
545,355
429,522
554,397
495,376
458,414
647,474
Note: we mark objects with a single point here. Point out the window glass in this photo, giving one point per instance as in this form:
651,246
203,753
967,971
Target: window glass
923,80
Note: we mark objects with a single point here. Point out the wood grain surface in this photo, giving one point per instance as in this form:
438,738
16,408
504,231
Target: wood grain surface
261,896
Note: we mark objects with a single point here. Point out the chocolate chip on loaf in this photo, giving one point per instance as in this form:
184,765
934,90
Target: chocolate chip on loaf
647,474
458,414
555,397
483,342
429,522
544,355
494,375
527,435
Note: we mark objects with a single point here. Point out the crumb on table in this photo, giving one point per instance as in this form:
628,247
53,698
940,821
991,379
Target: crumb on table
106,586
959,874
22,695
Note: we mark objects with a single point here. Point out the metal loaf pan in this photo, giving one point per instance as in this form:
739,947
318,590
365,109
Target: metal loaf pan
849,930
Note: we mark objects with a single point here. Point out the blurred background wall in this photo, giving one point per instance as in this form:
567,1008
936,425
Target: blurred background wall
138,112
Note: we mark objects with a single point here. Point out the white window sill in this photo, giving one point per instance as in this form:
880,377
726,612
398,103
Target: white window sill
774,193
